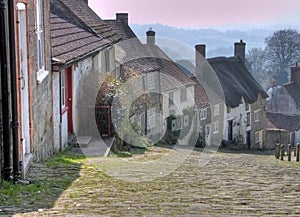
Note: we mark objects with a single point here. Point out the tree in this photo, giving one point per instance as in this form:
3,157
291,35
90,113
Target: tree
256,64
282,51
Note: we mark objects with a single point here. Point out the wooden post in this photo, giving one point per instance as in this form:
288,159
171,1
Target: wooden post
289,152
277,150
281,152
297,152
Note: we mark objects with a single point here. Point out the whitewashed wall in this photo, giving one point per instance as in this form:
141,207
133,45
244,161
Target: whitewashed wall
239,117
178,107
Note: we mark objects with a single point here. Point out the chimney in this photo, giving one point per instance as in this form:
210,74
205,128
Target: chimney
200,53
295,74
123,17
86,1
150,36
240,50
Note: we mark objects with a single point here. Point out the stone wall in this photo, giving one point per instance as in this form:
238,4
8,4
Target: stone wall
274,136
258,126
41,94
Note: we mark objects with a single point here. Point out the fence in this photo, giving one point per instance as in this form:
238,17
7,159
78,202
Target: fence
286,150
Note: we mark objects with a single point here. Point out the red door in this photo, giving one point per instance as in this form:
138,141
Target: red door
69,98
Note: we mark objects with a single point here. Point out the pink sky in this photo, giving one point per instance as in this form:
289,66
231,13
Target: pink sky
201,13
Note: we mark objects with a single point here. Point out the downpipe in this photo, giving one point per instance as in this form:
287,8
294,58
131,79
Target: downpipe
7,167
14,101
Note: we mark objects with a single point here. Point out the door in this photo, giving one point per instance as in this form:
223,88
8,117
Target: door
207,135
69,98
248,140
230,130
24,95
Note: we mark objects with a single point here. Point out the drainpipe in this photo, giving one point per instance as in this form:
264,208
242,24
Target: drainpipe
60,113
7,168
14,101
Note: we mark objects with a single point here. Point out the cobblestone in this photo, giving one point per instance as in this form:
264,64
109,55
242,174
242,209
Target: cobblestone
231,184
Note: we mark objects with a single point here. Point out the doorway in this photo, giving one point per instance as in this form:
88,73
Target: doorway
230,130
24,87
69,98
248,139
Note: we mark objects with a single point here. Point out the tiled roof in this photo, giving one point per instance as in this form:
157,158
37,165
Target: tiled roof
123,30
294,90
236,81
70,39
201,98
171,77
148,58
280,121
91,19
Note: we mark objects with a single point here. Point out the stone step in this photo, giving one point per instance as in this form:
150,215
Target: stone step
83,141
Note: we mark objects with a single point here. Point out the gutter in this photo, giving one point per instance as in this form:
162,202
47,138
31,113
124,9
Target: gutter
59,64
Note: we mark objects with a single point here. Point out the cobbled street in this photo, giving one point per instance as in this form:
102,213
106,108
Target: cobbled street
231,184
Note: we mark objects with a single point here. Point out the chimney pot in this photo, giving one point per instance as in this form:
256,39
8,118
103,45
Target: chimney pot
240,50
150,36
123,17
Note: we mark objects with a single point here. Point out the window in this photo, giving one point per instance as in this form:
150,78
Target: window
107,60
150,81
216,110
228,109
41,74
203,114
256,115
258,136
248,119
246,106
186,121
63,89
151,118
183,95
215,127
171,102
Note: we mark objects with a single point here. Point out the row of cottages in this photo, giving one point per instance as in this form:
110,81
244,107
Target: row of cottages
229,103
242,109
61,48
169,89
283,111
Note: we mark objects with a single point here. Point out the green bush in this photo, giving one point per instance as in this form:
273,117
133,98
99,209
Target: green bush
197,140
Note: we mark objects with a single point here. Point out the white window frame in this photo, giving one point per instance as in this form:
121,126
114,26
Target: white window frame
151,118
216,110
171,99
256,115
258,136
150,81
215,127
63,89
203,114
183,95
41,73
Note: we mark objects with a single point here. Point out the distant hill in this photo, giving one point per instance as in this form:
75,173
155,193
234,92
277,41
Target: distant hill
218,42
